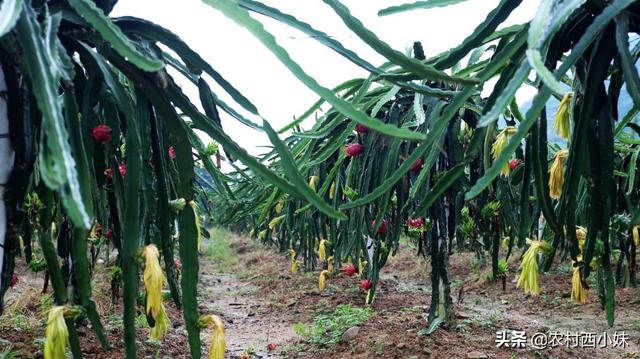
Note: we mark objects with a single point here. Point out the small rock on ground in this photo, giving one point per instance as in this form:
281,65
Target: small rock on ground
476,355
350,334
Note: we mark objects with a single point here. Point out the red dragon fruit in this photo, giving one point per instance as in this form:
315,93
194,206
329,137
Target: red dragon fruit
383,226
122,168
365,284
101,133
417,166
415,222
349,270
354,149
360,128
513,164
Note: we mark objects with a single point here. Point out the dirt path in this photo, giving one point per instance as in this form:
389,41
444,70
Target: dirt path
249,328
261,302
249,325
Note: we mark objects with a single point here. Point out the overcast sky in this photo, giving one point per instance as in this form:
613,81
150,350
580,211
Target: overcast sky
277,94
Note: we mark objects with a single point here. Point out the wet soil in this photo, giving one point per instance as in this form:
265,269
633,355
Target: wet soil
260,302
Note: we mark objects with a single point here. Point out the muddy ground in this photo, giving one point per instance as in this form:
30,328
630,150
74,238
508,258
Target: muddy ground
265,307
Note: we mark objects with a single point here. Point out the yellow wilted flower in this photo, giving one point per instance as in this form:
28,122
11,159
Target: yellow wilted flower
279,206
218,341
153,281
556,174
361,265
161,327
274,222
322,249
332,190
581,235
294,261
330,264
93,233
502,139
321,279
578,287
528,279
56,334
313,182
561,123
636,235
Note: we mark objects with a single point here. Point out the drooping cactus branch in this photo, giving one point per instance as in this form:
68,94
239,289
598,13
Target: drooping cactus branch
6,165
